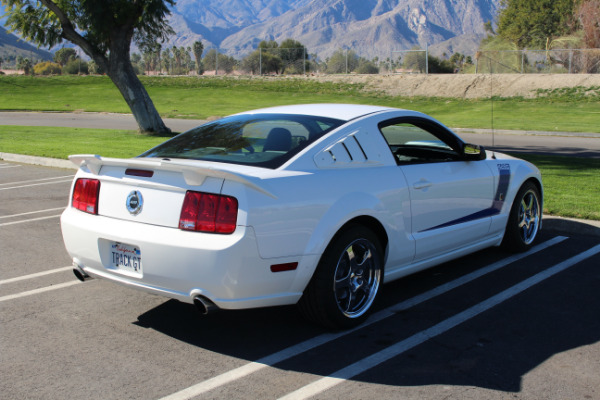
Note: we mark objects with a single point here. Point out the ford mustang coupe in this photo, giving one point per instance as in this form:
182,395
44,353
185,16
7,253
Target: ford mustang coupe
310,204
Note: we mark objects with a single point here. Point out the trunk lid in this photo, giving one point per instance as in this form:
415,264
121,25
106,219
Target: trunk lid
152,191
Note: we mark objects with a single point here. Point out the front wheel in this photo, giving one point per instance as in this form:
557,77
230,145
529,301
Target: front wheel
524,220
346,281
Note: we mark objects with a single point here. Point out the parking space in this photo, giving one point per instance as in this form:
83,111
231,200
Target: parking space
490,325
31,199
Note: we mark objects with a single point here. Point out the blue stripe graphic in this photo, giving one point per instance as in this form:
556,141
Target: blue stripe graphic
499,198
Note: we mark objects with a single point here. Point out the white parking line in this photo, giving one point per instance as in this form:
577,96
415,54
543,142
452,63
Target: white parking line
37,184
40,290
6,166
317,341
36,275
29,220
382,356
37,180
32,212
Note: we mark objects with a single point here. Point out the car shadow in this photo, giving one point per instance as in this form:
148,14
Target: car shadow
246,334
494,350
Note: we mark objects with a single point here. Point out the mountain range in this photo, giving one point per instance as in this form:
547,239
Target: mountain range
369,27
11,46
372,28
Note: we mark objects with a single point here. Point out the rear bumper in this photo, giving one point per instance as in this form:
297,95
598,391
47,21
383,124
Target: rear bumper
227,269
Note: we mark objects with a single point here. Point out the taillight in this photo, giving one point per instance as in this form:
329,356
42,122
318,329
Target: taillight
205,212
85,195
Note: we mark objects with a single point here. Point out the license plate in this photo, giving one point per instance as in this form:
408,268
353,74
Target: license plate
126,257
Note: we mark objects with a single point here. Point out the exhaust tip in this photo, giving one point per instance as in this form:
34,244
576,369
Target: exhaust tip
79,272
204,305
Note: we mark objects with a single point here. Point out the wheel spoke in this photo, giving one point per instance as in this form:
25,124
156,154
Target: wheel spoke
347,303
524,222
527,205
344,283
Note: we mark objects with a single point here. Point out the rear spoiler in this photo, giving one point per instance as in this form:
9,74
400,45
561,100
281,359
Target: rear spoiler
193,175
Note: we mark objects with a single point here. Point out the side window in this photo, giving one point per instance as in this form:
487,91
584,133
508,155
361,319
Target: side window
413,142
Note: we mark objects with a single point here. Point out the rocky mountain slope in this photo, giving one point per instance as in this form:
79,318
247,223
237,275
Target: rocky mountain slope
370,27
12,47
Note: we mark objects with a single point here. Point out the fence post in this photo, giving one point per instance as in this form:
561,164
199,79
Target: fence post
570,60
260,61
523,61
216,62
304,60
426,58
346,61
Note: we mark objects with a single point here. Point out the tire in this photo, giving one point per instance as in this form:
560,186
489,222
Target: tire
524,220
347,280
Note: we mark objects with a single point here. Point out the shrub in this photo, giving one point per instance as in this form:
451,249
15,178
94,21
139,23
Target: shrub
47,68
139,70
438,66
94,68
75,66
367,67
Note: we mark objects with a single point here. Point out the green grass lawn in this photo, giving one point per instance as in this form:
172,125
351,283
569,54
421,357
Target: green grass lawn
572,185
203,97
57,142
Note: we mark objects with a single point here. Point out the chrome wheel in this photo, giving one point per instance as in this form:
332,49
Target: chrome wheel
357,278
524,220
529,217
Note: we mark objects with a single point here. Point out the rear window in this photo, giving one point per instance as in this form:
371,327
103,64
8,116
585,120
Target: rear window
265,140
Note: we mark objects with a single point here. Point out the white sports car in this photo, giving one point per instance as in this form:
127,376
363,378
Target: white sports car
310,204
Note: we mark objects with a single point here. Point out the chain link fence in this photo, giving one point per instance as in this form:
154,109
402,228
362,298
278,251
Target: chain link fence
293,61
296,61
416,61
562,61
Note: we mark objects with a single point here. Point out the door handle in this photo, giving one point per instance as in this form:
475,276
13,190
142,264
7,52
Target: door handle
422,184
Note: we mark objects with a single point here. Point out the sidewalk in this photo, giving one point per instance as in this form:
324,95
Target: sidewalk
87,120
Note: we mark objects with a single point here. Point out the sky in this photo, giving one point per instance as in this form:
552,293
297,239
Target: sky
2,19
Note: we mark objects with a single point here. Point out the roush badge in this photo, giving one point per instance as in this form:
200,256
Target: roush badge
134,202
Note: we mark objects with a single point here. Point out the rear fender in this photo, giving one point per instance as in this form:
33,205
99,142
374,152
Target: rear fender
346,208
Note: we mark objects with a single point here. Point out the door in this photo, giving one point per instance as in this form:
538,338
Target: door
450,197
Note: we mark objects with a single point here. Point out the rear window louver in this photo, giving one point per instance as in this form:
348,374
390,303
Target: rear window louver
351,150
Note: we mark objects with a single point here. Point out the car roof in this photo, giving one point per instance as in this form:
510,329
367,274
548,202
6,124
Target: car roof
344,112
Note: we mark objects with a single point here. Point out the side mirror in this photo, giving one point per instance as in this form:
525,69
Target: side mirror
473,152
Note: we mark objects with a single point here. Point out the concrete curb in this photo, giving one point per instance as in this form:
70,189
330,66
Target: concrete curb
551,222
526,133
572,226
34,160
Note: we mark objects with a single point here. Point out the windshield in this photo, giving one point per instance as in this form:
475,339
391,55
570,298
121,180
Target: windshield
264,140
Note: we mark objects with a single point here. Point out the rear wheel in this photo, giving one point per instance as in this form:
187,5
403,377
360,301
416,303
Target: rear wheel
524,219
347,280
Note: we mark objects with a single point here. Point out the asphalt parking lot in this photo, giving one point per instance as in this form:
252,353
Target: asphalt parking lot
489,325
